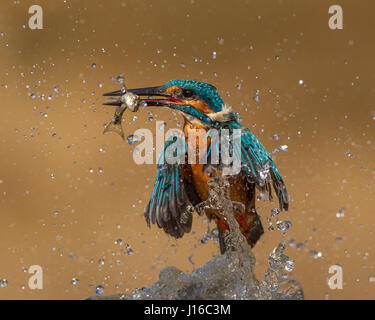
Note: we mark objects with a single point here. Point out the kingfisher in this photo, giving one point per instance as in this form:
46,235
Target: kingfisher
183,185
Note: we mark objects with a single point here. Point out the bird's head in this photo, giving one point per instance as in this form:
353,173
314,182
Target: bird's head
197,99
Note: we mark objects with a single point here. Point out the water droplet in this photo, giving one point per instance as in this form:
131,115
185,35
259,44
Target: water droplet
32,96
101,150
3,283
99,289
101,261
339,239
283,225
129,250
300,82
349,155
315,254
162,125
75,281
132,139
264,173
284,148
56,88
120,79
292,243
289,265
214,55
275,212
143,104
276,137
93,65
118,241
238,117
134,119
341,213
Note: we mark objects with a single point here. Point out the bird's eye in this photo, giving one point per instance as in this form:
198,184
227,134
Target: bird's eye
187,93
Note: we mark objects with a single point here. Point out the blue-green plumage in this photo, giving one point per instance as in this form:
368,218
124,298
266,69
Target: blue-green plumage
256,163
179,184
172,215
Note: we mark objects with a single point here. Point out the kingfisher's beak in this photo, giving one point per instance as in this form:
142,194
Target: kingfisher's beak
148,94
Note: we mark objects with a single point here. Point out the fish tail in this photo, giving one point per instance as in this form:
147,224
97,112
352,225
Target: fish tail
114,127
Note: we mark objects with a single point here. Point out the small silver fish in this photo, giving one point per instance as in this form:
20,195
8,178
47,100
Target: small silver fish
128,101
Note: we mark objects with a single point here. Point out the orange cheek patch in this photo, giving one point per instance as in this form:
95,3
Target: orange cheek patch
199,105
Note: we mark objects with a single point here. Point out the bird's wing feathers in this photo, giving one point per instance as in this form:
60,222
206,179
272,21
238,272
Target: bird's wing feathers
168,206
256,163
173,191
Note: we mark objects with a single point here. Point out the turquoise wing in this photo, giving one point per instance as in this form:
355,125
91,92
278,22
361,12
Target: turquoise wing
256,163
168,206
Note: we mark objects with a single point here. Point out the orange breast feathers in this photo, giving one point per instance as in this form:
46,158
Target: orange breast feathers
195,137
239,190
199,105
197,144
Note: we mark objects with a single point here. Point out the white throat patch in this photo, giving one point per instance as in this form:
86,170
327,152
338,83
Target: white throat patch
223,115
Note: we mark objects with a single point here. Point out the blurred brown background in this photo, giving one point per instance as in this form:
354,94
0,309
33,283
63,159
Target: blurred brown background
54,157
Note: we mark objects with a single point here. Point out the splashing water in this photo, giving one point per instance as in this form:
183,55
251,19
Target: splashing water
229,276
